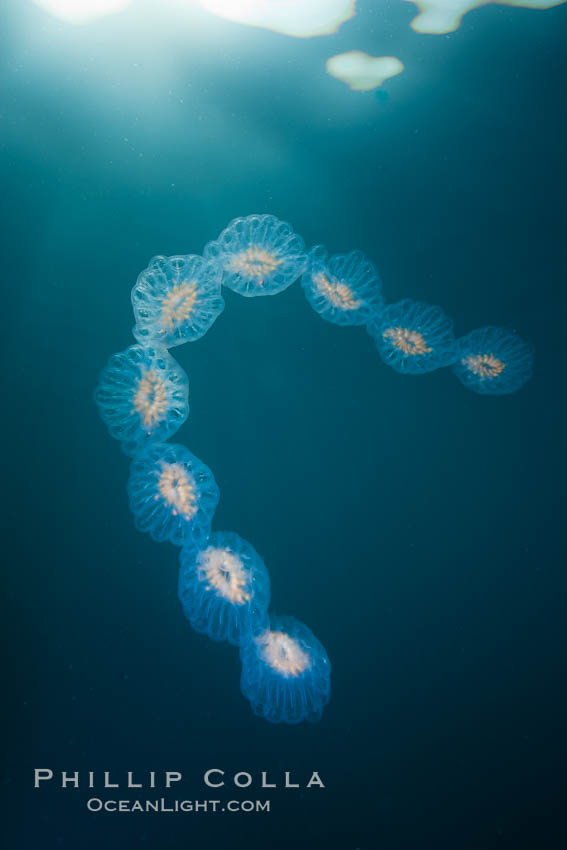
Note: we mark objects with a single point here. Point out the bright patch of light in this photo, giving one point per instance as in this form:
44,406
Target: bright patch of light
440,16
301,18
82,11
361,71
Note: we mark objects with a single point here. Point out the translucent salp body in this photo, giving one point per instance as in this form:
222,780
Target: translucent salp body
344,289
224,588
413,337
176,300
172,494
258,255
286,673
142,395
493,361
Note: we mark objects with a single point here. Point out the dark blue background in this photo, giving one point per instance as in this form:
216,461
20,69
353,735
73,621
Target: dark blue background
414,526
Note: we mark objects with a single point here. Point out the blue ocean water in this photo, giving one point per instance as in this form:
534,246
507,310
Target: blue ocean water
414,526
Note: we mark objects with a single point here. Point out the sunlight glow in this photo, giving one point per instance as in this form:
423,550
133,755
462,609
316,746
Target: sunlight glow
300,18
441,16
82,11
361,71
